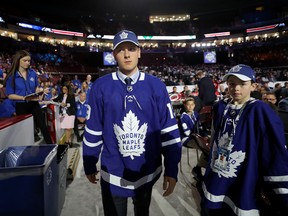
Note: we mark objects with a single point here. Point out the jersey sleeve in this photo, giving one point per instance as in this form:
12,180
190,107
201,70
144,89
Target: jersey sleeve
170,136
92,140
274,156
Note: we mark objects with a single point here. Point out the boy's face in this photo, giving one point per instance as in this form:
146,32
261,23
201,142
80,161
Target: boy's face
127,55
189,106
239,90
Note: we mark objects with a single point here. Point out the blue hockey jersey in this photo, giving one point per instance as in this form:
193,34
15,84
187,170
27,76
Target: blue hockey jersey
248,150
132,130
81,109
186,125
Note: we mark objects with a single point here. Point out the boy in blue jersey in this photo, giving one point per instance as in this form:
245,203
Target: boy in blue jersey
248,152
187,123
131,122
81,112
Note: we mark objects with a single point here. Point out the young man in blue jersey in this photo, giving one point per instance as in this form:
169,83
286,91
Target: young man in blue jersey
248,152
131,122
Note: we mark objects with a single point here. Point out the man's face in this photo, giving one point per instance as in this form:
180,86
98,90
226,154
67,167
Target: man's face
82,97
127,55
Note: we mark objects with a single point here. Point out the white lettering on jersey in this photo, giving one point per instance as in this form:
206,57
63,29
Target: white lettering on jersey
131,137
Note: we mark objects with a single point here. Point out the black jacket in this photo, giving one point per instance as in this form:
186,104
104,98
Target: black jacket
70,100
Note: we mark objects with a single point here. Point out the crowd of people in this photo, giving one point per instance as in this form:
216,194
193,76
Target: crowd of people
129,120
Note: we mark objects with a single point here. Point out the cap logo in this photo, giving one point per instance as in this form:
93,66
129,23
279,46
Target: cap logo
123,35
236,68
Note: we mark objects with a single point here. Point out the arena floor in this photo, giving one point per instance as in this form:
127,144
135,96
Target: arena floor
84,199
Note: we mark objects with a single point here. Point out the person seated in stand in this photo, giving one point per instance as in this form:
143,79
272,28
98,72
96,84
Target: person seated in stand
76,82
188,121
186,92
283,104
54,93
271,100
187,124
44,100
174,90
81,111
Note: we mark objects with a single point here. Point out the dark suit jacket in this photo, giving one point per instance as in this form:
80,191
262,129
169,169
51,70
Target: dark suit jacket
71,100
206,91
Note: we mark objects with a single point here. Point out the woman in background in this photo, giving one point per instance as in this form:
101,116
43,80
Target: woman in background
20,82
67,111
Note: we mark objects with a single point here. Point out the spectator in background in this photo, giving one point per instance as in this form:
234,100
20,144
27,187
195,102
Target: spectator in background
187,124
67,112
85,88
54,93
284,91
186,92
81,112
277,91
271,99
206,89
20,82
174,90
255,93
76,82
266,86
283,104
89,81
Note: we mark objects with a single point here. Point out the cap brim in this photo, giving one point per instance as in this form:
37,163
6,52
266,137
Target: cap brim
240,76
125,41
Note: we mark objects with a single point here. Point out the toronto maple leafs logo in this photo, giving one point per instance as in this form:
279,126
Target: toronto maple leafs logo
224,160
236,68
131,137
123,35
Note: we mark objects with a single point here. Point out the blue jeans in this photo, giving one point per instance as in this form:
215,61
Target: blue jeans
117,206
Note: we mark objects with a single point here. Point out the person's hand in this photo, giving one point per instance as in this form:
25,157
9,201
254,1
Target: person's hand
168,185
31,98
81,119
92,178
63,104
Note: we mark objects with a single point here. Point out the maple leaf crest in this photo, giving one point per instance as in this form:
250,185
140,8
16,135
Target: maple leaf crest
131,138
235,157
